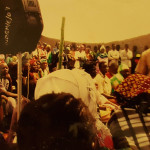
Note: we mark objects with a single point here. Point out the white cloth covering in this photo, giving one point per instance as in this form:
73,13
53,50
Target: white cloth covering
76,82
126,57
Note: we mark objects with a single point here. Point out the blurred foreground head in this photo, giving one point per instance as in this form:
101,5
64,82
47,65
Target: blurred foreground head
56,122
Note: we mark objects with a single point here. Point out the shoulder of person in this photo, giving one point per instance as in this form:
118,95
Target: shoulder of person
145,53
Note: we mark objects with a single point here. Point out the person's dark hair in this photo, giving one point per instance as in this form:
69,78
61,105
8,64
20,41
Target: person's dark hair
118,47
90,67
56,122
103,67
73,46
95,48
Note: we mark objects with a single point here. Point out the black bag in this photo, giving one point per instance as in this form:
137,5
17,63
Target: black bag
20,25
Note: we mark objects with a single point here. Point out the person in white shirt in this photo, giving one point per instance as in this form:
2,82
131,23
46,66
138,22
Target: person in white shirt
113,55
126,56
80,55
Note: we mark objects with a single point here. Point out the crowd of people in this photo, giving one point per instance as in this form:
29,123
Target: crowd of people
73,107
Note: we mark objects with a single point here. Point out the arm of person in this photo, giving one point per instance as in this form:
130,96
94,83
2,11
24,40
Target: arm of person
10,89
104,103
142,67
8,94
109,56
116,56
123,56
108,96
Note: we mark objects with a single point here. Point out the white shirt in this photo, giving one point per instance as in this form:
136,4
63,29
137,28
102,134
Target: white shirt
77,56
104,84
126,57
113,56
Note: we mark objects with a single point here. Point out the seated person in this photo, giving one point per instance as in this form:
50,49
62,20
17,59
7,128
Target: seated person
113,67
90,67
6,88
57,121
123,72
103,82
129,125
105,105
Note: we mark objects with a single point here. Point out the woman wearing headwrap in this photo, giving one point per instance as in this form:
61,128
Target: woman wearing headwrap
43,71
103,56
133,89
123,72
33,77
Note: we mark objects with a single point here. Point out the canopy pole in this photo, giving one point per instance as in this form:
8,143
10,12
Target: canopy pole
61,47
19,84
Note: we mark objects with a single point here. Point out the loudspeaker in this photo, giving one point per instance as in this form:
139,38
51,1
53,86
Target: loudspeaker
21,25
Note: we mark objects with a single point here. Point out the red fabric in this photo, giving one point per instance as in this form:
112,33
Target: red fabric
109,75
105,141
32,61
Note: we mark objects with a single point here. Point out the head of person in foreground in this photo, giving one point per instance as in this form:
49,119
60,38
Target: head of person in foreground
56,122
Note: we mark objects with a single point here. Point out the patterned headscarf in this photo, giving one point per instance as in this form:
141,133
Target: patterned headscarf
43,61
134,85
118,78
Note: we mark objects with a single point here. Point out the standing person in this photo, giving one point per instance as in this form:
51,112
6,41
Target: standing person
118,49
94,53
49,52
126,56
143,66
113,55
33,77
107,49
134,58
88,53
80,56
44,70
103,54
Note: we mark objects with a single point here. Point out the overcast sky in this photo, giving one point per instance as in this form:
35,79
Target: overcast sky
96,20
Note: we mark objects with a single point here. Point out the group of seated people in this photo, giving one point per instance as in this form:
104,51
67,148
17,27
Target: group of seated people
91,107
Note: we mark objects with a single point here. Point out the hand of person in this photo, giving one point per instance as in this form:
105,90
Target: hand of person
4,97
8,76
2,91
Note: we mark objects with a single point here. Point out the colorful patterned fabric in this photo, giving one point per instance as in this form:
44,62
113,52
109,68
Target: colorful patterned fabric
134,85
116,80
49,59
32,61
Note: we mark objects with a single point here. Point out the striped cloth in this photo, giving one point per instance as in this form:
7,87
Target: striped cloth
130,129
